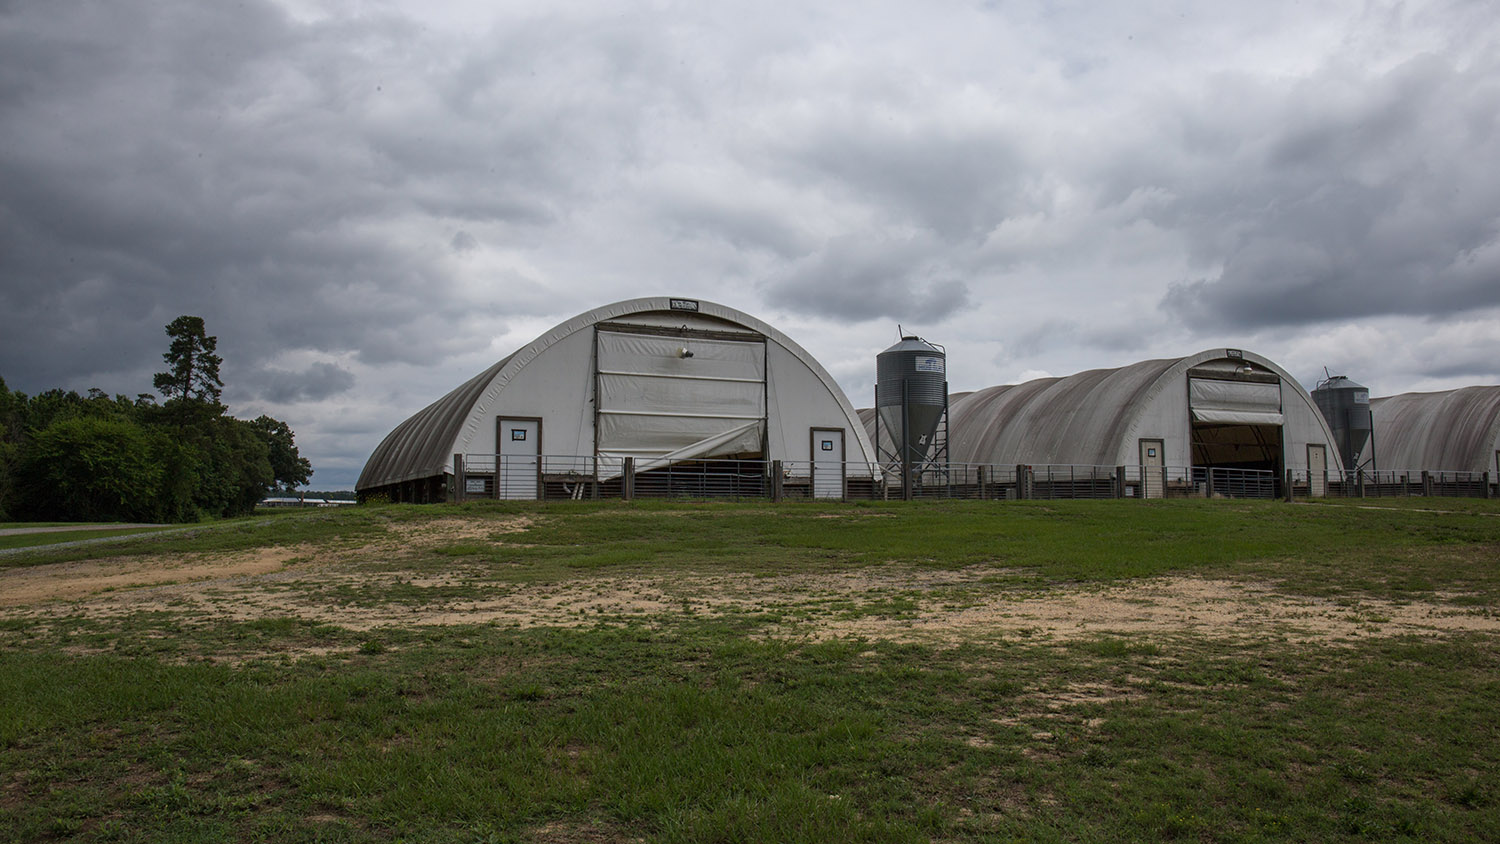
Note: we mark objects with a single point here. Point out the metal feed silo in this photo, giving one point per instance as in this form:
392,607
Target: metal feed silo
911,405
1346,408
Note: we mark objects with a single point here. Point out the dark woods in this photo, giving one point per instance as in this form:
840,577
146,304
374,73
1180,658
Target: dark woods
65,456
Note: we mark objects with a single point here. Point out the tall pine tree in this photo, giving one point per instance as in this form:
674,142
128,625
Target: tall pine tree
192,367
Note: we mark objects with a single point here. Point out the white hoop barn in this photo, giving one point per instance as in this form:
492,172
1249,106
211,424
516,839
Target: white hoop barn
664,382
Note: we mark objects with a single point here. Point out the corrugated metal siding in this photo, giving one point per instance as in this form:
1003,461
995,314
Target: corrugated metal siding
1454,430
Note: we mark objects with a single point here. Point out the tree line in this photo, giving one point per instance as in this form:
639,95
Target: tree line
93,457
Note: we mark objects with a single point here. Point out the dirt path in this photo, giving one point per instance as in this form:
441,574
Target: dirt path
62,581
195,573
941,607
361,588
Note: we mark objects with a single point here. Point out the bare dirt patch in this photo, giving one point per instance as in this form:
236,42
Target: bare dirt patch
426,534
26,586
21,587
1178,605
355,588
881,603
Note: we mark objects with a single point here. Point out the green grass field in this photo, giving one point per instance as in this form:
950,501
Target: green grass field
31,540
688,672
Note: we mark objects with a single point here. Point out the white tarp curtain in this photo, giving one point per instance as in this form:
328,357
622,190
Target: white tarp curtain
657,403
1235,402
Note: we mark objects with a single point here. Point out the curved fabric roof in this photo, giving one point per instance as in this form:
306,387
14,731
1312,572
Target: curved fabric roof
422,446
1454,430
1079,419
1089,418
415,449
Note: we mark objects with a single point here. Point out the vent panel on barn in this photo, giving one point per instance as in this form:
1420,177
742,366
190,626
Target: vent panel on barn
667,395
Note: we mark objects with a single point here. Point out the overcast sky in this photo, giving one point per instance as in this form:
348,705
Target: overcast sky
369,203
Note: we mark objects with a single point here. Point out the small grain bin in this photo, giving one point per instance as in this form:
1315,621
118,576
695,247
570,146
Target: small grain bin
1346,407
911,406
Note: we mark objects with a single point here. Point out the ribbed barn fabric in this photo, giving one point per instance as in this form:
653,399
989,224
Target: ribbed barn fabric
418,447
1235,402
1098,417
682,396
1453,430
1079,419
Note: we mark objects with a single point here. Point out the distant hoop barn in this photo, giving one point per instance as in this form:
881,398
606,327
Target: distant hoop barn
1219,408
660,380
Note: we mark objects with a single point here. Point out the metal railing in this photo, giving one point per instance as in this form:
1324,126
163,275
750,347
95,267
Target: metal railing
560,477
1366,483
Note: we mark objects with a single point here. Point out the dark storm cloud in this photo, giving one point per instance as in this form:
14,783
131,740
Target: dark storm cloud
369,200
277,178
463,242
740,221
854,278
315,383
1475,370
1064,334
958,182
1353,196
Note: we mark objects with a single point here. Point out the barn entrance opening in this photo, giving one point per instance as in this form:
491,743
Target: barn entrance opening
1236,417
1227,446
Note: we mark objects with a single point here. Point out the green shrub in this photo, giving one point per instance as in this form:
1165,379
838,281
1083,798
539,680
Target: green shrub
93,469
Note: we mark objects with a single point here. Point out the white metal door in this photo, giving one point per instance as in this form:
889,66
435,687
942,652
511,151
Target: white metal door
828,463
1152,461
1317,471
519,458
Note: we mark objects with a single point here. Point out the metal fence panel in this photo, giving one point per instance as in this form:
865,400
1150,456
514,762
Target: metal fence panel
731,479
577,477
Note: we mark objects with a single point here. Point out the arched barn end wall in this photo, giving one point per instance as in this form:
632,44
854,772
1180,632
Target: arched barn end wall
552,378
1165,404
1453,430
1100,416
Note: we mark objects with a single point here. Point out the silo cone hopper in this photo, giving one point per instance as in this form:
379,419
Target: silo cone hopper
911,404
911,439
1346,407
